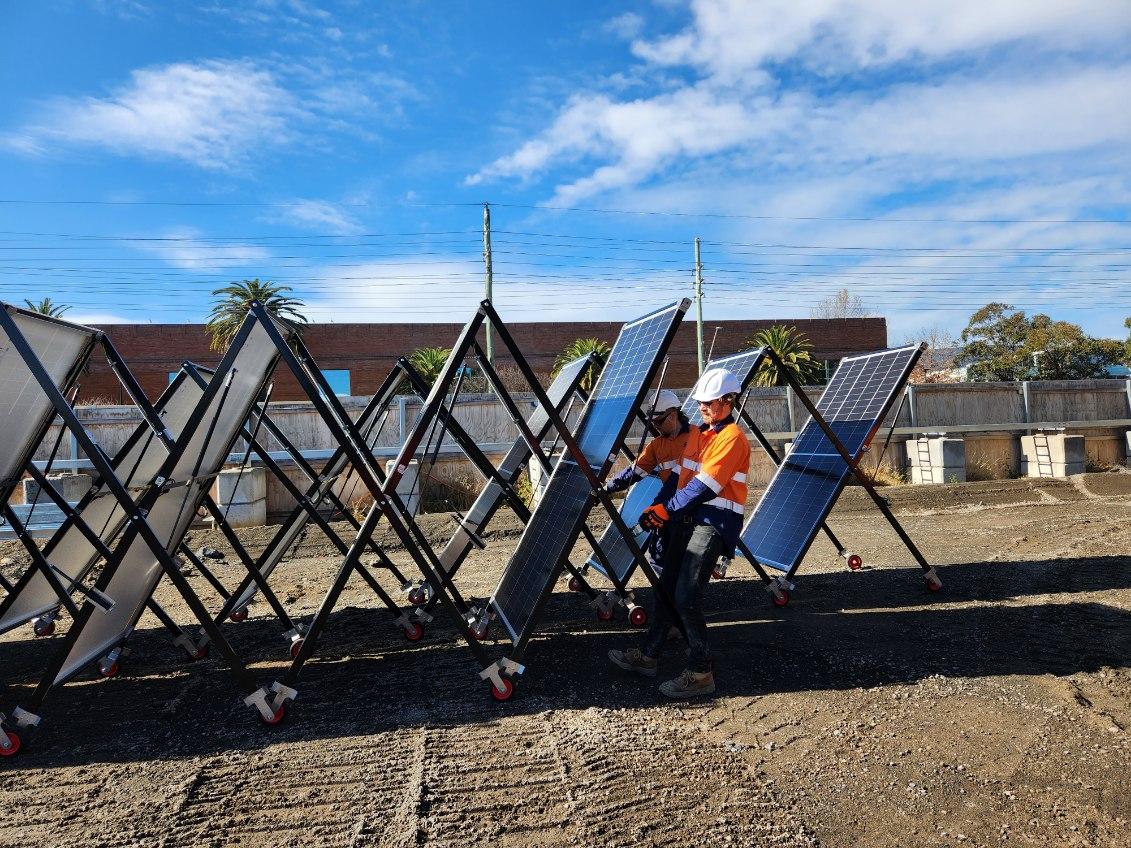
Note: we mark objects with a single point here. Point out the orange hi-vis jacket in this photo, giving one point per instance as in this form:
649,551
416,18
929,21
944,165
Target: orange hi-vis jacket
661,457
712,479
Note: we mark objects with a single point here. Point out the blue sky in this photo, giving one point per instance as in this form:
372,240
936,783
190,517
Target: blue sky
929,157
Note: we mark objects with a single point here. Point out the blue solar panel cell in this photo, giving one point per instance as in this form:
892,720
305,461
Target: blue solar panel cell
612,544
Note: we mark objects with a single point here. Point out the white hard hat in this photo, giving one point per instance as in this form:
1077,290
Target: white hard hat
714,384
661,402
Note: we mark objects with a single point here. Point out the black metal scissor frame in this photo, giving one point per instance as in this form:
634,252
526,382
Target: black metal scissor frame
780,585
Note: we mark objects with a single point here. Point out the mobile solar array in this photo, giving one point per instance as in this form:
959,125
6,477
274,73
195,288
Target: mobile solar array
575,484
825,453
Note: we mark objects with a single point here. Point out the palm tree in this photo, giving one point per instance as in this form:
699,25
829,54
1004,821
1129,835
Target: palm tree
579,348
229,312
429,361
793,349
47,307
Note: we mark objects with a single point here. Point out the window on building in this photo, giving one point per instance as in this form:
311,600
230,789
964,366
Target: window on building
339,380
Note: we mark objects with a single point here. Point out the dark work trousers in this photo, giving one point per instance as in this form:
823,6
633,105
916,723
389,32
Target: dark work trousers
690,554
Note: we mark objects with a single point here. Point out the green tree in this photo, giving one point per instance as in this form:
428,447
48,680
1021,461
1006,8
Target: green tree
429,361
235,301
47,307
579,348
1127,344
795,352
1003,343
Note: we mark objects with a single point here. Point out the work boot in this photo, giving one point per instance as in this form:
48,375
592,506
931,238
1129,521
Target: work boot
634,660
690,684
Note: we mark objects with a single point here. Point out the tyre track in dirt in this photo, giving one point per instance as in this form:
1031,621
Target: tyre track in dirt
322,793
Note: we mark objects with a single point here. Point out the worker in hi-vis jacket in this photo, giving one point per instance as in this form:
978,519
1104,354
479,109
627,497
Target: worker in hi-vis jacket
699,514
661,456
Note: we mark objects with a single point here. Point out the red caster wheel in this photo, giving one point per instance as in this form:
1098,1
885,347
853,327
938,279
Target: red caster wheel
238,615
781,599
855,562
717,574
638,617
416,597
296,646
14,743
478,633
503,694
276,717
414,632
933,586
112,670
604,614
43,628
574,584
199,654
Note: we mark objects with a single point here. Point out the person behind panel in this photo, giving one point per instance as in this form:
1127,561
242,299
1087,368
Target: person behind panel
661,456
699,516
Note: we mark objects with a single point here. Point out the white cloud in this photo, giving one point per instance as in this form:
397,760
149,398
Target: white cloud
626,26
731,37
967,96
319,213
213,114
186,248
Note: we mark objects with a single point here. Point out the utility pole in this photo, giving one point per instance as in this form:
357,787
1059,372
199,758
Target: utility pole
489,278
699,305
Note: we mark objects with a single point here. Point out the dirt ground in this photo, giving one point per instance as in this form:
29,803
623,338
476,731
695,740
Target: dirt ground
866,712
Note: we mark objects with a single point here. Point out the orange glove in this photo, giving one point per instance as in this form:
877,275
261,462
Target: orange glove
654,518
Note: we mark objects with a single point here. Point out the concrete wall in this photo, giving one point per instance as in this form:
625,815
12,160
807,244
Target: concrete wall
937,407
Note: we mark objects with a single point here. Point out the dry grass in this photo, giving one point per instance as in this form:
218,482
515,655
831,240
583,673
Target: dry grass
979,468
887,476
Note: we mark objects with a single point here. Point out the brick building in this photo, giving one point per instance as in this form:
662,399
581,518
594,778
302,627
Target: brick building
357,357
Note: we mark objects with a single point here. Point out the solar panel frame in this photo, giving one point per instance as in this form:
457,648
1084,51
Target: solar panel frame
598,444
68,550
490,497
207,446
615,551
818,472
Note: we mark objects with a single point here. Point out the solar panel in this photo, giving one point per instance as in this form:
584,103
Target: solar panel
25,411
812,475
208,446
556,521
743,365
564,384
616,552
69,550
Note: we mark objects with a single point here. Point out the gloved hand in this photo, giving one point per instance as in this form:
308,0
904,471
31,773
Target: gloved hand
654,518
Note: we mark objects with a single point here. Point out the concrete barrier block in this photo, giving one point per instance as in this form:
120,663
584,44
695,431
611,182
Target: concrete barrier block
234,487
1127,448
253,514
1065,455
71,486
938,474
407,488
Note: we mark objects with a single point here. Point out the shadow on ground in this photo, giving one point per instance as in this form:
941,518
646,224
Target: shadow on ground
840,631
